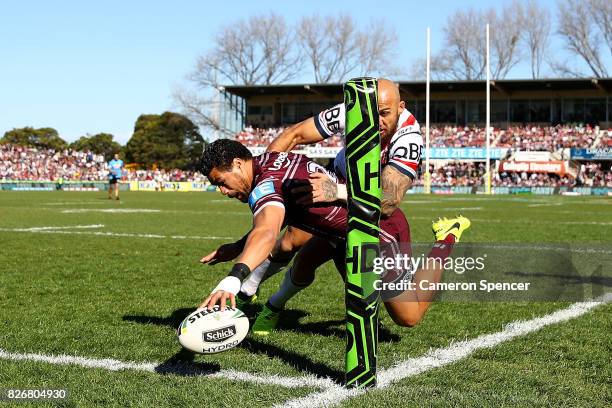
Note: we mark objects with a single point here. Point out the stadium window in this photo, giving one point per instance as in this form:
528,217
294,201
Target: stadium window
476,111
305,110
444,112
499,111
288,113
595,111
519,111
539,110
556,114
419,111
573,110
254,110
461,113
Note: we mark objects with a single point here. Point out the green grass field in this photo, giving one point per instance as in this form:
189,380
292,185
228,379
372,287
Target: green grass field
78,280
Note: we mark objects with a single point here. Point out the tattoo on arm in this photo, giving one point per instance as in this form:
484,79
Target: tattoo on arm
330,190
394,186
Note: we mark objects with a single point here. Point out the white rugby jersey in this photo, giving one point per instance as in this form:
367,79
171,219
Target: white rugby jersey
403,151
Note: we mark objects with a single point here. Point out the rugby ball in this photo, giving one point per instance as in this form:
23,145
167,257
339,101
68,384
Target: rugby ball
212,331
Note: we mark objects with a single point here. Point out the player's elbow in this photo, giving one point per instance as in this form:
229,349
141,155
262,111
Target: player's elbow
287,140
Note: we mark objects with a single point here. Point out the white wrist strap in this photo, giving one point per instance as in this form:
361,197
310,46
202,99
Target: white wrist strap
342,194
229,284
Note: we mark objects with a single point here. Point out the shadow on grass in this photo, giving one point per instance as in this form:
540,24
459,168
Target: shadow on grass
182,363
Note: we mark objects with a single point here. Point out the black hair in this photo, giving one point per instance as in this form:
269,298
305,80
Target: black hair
220,154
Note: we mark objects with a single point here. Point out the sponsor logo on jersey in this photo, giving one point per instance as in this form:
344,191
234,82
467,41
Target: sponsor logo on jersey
278,163
262,190
331,118
219,335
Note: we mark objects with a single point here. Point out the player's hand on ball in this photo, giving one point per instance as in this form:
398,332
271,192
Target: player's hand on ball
224,253
321,189
219,297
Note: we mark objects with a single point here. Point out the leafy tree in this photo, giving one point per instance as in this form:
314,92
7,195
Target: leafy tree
169,140
101,143
43,138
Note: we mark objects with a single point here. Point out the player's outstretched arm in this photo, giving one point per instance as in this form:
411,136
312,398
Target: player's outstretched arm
226,252
394,186
266,227
304,132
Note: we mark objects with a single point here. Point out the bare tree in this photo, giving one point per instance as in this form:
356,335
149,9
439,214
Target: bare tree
248,52
579,29
601,12
535,33
564,68
464,56
441,68
464,46
504,39
330,44
336,49
377,47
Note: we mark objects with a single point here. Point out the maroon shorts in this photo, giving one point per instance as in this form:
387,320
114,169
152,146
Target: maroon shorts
394,240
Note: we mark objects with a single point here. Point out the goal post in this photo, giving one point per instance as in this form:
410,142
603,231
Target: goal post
362,244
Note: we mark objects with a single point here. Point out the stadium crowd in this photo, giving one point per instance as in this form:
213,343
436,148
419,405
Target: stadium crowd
32,164
28,163
543,138
594,175
533,138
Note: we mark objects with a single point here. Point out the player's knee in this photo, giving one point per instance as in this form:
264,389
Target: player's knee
286,245
406,321
405,318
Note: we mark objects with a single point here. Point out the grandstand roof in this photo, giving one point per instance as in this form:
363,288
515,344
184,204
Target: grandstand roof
506,86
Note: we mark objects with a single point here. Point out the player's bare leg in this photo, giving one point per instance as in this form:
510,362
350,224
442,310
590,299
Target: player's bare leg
408,308
286,246
313,254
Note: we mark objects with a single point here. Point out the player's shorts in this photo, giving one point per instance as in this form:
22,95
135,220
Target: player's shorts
113,180
394,240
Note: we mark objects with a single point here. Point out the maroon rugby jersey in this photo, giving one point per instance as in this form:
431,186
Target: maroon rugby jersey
275,174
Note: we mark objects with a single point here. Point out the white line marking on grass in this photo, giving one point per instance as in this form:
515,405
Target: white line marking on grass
38,229
448,355
177,368
110,210
110,234
75,202
544,204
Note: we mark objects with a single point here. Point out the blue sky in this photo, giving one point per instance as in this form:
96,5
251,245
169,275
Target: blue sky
88,67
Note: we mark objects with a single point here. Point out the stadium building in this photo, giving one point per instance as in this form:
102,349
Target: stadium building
549,136
545,101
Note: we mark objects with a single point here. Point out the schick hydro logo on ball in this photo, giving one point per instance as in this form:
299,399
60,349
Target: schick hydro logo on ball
219,335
